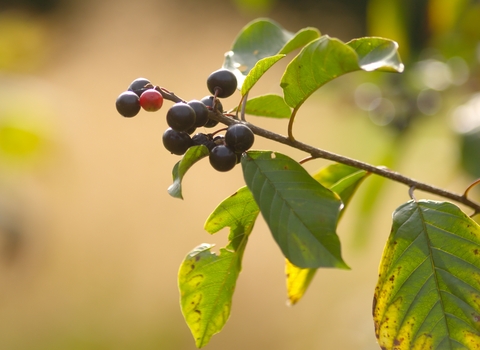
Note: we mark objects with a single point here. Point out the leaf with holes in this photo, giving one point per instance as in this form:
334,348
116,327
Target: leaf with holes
428,291
239,212
207,280
344,181
193,155
302,214
325,59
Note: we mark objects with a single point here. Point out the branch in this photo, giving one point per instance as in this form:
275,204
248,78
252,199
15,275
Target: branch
319,153
378,170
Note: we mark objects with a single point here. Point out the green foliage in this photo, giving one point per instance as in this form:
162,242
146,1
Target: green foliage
325,59
207,280
193,155
270,105
428,291
261,39
344,181
301,214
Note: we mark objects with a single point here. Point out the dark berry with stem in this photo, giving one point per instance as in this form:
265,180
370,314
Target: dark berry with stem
222,82
239,138
222,158
139,85
151,100
181,117
201,112
208,101
128,104
203,139
177,142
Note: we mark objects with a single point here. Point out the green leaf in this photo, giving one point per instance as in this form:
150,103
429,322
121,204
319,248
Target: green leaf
377,54
325,59
428,291
301,38
343,180
270,105
257,72
206,282
301,214
263,38
193,155
239,212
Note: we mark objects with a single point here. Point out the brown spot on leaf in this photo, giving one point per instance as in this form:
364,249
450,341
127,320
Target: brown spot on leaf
475,251
197,258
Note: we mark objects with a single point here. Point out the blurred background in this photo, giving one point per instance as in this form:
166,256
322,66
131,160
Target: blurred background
90,241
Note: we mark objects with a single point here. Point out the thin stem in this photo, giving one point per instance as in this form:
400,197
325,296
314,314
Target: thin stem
306,159
378,170
244,104
472,185
168,95
290,124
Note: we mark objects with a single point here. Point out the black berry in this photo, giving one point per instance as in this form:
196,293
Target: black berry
208,101
239,138
181,117
223,82
202,139
128,104
177,142
139,85
201,112
222,158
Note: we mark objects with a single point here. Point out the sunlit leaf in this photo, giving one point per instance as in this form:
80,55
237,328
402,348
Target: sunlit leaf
377,54
257,72
428,291
206,280
298,281
193,155
325,59
239,212
263,38
343,180
272,106
301,214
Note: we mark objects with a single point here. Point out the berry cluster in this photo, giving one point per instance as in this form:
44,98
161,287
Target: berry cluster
140,94
183,118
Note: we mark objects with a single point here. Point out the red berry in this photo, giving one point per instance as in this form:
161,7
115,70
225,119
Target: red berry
151,100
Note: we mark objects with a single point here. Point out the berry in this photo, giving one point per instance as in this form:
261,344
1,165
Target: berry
223,82
222,158
202,139
208,101
151,100
181,117
177,142
239,138
201,112
139,85
128,104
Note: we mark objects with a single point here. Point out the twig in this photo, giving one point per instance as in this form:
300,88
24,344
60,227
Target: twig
378,170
